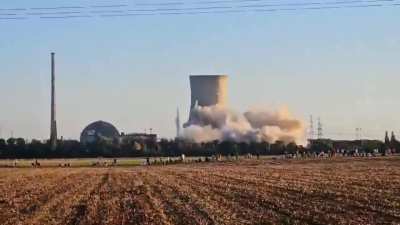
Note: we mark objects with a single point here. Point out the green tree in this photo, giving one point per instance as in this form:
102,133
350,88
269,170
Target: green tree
226,148
20,148
278,148
321,145
37,149
3,147
11,148
291,148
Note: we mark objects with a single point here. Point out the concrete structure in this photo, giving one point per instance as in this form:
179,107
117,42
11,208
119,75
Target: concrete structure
104,131
139,141
178,124
53,123
207,90
139,137
99,130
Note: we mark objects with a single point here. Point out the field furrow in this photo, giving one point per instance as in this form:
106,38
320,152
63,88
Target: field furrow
334,191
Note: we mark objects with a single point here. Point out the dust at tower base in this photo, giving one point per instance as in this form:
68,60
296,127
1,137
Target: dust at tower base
212,119
207,90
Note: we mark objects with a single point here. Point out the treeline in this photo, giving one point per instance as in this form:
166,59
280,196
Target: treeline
19,148
351,146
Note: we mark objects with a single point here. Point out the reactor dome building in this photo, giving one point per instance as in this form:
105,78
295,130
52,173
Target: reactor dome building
99,130
207,90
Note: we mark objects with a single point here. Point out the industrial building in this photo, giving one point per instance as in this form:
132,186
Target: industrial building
139,137
107,132
207,90
139,141
99,130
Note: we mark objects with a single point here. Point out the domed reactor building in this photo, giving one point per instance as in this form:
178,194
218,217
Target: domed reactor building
99,130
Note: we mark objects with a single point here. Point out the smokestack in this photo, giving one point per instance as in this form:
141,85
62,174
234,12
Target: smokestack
53,123
178,124
207,90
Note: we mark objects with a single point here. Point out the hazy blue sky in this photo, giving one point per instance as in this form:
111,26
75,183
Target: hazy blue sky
341,64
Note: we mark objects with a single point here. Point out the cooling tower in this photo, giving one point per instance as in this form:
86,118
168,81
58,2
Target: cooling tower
207,90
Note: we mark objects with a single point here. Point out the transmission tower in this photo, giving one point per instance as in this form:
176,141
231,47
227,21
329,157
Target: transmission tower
311,128
319,129
358,133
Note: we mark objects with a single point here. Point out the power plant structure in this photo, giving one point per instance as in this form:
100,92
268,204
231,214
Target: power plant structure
99,130
53,123
207,90
105,132
178,124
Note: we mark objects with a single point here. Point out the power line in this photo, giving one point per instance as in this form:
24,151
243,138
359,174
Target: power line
316,3
233,11
107,11
191,3
235,2
52,13
109,6
133,14
194,13
65,17
182,9
14,9
359,133
13,18
121,10
160,4
59,7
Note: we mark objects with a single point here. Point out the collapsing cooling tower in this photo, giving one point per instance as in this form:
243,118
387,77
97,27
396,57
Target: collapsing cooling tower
207,90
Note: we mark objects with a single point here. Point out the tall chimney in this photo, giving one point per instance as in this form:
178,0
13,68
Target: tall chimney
53,123
178,124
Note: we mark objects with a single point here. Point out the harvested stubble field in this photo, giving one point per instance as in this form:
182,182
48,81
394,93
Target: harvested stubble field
336,191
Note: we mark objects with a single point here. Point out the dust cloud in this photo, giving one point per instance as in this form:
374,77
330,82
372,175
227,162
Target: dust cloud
256,125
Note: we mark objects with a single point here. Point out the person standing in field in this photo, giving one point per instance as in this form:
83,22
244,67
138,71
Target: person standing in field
183,157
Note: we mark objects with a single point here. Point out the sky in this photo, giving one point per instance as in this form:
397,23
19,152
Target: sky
341,65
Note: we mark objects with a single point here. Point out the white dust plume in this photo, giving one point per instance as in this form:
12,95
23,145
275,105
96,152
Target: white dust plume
257,125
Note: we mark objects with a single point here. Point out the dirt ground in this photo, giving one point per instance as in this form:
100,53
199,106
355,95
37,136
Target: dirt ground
313,191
